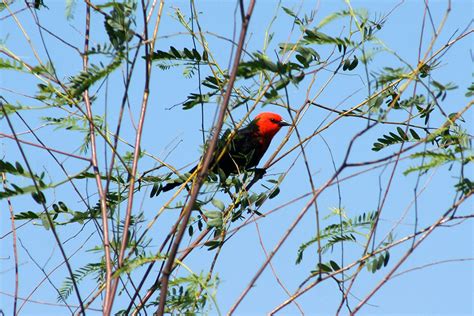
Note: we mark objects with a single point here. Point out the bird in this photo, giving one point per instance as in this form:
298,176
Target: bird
245,149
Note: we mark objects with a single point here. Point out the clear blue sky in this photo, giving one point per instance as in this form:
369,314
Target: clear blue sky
174,134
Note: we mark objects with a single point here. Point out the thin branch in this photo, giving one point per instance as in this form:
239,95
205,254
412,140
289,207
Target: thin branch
95,165
45,208
203,169
15,251
44,147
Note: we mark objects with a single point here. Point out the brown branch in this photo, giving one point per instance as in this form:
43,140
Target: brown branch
45,147
101,192
45,208
45,303
203,168
15,250
136,155
444,219
277,278
350,114
410,251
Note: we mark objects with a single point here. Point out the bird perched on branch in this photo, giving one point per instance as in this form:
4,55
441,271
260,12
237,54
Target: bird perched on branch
244,149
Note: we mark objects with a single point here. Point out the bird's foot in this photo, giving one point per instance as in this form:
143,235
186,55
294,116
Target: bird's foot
259,173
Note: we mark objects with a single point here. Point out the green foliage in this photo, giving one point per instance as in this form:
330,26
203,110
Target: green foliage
360,13
76,123
388,75
45,69
329,267
262,62
51,96
9,64
214,219
225,200
4,4
376,263
350,65
189,55
302,22
392,138
102,49
130,265
196,99
465,185
190,58
70,7
415,101
470,91
80,274
118,23
314,36
345,231
85,79
10,108
189,295
441,90
10,189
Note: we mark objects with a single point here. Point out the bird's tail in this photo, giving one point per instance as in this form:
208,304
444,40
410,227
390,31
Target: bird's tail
171,185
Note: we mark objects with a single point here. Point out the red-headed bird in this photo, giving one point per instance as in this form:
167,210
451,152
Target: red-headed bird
246,148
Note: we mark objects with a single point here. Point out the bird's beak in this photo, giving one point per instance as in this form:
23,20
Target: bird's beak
284,123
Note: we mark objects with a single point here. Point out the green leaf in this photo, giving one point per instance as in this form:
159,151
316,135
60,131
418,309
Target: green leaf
414,134
334,266
63,206
386,259
26,215
85,79
354,63
39,197
214,218
11,65
402,133
289,12
45,221
323,267
218,203
470,91
212,244
465,186
154,190
274,193
200,225
19,168
119,22
261,198
56,208
391,139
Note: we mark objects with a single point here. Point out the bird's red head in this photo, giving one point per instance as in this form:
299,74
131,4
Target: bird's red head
269,124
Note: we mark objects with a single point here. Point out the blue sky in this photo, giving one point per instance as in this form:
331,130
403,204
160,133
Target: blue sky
173,134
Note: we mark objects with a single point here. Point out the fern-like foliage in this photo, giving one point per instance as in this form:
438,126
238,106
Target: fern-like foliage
392,138
80,274
85,79
118,24
188,295
344,231
8,64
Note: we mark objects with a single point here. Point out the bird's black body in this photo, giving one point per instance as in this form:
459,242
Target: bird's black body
244,151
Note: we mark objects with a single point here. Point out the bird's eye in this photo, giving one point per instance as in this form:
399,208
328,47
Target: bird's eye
273,120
